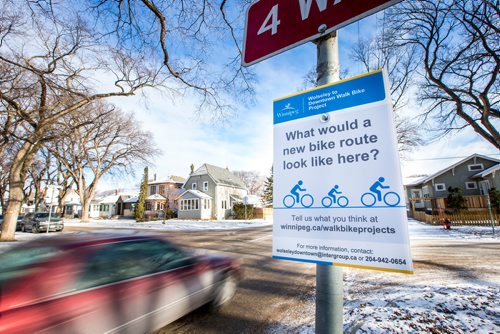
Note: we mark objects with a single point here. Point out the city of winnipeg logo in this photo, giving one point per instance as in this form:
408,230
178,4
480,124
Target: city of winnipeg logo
287,111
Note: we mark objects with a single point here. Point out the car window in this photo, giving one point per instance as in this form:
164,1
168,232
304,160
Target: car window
13,262
120,261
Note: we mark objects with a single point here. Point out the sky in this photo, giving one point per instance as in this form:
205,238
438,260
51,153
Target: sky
244,141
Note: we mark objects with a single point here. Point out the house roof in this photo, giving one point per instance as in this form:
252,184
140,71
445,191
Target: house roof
110,199
155,197
220,175
433,176
488,171
133,199
197,193
236,198
171,179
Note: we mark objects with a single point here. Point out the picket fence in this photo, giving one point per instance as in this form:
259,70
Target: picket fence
461,218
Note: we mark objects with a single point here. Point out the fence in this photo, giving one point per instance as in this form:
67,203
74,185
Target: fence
263,213
461,218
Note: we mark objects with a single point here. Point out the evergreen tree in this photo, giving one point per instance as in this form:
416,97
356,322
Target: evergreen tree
141,201
495,199
455,199
267,199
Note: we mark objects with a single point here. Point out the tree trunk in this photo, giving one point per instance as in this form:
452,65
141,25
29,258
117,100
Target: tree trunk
22,161
86,197
85,211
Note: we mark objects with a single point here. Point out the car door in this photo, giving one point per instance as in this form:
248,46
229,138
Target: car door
136,287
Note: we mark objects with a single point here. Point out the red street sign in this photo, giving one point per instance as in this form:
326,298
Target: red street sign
273,26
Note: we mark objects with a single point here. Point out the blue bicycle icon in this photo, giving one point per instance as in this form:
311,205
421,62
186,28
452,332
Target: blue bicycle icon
342,201
390,199
306,201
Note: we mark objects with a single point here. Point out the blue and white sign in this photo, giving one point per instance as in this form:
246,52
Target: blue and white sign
338,192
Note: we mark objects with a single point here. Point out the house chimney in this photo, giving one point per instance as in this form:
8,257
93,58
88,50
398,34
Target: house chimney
154,177
192,168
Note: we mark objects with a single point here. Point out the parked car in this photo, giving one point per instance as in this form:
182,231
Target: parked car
107,282
18,223
38,222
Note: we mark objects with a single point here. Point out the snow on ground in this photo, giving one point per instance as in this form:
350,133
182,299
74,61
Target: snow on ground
379,302
171,224
418,230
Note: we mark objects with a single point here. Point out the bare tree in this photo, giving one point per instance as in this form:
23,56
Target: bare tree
401,64
41,173
139,43
459,45
112,143
198,42
254,181
50,66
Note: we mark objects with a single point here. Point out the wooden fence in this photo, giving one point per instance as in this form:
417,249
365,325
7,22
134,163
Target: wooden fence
462,218
263,213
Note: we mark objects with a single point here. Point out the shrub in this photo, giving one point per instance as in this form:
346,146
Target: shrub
243,211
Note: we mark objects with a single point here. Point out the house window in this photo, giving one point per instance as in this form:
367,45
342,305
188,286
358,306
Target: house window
470,185
189,204
206,204
425,191
153,190
193,186
104,207
224,204
475,167
205,186
148,205
162,189
416,194
440,187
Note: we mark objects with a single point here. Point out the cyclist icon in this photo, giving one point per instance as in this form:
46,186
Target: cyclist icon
290,200
370,198
328,201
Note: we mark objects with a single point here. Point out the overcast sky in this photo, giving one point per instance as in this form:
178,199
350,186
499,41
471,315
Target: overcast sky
244,141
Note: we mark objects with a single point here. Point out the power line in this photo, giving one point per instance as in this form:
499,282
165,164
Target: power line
445,158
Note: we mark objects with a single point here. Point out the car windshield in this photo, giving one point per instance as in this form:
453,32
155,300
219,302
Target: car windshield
14,262
46,215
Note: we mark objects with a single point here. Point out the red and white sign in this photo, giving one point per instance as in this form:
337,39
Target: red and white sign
273,26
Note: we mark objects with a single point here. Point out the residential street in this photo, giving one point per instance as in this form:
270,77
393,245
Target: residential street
278,296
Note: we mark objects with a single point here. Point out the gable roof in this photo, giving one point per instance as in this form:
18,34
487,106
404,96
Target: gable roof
155,197
433,176
488,171
197,193
221,176
171,179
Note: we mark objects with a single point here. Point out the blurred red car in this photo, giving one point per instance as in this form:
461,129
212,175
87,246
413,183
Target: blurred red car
107,283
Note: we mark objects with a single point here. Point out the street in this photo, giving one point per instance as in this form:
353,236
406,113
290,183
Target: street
278,296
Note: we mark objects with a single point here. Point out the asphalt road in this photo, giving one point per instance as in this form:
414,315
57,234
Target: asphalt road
274,294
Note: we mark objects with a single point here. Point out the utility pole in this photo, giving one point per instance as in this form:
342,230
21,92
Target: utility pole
329,279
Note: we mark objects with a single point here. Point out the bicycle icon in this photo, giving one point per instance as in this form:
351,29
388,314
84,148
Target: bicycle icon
306,201
390,199
370,198
342,201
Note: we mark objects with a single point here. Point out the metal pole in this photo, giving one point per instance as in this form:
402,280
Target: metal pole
329,279
50,208
491,215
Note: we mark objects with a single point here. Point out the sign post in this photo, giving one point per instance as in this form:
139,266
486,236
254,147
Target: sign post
329,279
